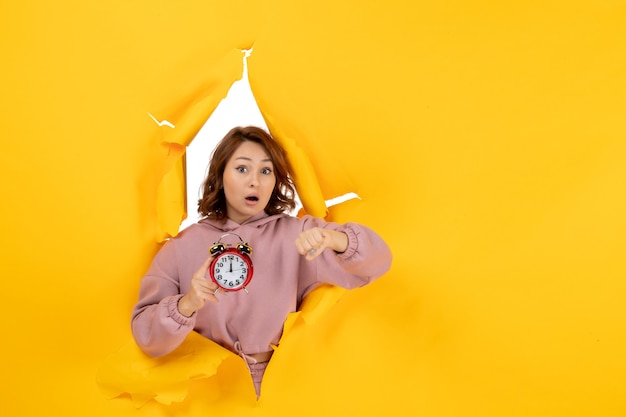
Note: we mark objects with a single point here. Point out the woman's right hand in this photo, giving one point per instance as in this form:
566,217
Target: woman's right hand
202,290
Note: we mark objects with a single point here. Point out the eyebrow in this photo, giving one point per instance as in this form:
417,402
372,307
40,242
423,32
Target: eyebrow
250,159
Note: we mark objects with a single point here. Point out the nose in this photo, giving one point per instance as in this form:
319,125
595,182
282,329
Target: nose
254,180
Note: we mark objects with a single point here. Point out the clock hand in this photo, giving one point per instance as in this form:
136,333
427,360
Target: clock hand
231,265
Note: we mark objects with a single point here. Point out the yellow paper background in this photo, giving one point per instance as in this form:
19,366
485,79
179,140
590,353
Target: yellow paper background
487,143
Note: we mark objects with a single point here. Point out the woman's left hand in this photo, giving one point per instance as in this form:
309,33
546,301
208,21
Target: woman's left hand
313,242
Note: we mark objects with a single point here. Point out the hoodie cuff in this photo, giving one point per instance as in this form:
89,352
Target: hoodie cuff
174,314
353,243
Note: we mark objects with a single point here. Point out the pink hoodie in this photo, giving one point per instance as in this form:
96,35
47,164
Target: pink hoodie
282,277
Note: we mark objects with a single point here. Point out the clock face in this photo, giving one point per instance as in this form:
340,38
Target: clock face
231,270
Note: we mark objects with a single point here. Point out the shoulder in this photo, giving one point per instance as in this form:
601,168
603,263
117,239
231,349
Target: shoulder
279,225
198,232
187,233
277,220
307,222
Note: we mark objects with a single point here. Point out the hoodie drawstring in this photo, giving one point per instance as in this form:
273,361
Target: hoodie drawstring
253,368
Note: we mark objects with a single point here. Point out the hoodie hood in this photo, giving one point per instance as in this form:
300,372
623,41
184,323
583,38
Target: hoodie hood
229,225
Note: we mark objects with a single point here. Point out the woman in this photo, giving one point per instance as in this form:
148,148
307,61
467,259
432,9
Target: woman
247,192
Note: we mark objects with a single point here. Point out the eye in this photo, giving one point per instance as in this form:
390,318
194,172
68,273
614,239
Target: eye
242,169
266,171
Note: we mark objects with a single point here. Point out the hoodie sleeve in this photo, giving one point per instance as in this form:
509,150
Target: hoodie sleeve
367,258
157,326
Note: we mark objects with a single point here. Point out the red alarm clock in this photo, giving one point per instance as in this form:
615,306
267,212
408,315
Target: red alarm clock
231,268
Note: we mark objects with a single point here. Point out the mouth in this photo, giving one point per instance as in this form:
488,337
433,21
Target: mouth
252,198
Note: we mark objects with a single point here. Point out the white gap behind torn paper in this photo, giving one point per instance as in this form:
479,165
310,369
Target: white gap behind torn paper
238,108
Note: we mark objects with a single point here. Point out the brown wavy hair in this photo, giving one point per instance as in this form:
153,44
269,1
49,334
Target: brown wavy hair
213,201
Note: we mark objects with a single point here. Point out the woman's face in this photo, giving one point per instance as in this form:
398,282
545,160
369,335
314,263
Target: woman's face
249,180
